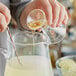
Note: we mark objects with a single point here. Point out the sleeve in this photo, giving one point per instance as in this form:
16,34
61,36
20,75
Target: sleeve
5,51
6,2
16,7
2,64
5,44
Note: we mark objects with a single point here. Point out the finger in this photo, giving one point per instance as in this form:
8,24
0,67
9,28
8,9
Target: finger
55,11
3,23
65,19
39,30
5,11
48,12
61,15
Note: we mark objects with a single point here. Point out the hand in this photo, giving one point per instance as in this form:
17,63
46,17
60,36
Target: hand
36,4
55,12
4,17
59,14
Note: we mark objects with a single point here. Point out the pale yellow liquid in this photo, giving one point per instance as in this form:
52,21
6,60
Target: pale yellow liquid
31,66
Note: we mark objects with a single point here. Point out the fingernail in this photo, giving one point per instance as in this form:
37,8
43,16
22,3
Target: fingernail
52,25
39,30
0,30
57,25
63,23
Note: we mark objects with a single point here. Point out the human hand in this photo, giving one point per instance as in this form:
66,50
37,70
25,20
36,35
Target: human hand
36,4
4,17
59,14
55,12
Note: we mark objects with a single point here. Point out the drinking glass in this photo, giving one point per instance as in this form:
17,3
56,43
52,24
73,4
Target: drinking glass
55,35
31,56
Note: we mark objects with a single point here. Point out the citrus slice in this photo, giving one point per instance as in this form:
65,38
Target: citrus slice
34,25
36,19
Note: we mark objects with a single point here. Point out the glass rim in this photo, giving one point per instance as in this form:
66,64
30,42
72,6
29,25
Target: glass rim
60,59
27,44
44,19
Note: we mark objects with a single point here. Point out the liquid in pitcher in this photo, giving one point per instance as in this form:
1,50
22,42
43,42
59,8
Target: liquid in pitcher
31,66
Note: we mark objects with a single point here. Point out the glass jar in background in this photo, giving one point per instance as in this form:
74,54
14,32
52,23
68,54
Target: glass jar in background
55,53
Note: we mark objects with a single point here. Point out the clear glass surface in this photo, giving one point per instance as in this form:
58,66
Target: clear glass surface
33,52
55,35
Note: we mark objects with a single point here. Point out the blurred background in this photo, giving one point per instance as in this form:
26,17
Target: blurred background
68,45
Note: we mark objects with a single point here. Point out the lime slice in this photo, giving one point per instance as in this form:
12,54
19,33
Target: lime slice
36,19
34,25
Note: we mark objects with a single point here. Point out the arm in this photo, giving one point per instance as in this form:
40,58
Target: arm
16,7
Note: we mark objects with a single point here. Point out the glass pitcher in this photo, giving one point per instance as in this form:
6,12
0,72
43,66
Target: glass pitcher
32,56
